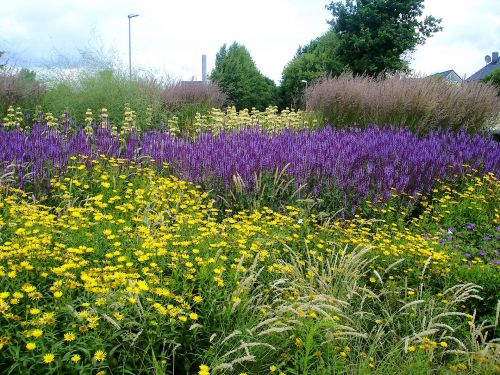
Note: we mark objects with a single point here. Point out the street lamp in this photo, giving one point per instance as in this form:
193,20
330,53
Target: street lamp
305,92
130,46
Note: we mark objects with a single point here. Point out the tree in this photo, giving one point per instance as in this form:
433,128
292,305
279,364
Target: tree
494,79
375,35
237,75
315,60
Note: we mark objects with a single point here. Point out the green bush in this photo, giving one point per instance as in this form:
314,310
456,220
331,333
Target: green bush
105,89
494,79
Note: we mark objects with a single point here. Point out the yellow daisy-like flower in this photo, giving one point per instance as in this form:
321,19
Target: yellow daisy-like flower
36,333
204,370
48,358
118,316
69,336
99,356
76,358
193,316
31,346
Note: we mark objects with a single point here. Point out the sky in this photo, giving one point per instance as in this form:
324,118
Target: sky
169,37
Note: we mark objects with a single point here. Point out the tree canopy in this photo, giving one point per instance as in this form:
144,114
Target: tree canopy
315,60
375,35
237,75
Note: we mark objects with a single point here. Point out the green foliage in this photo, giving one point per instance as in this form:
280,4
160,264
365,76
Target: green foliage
374,35
237,75
315,60
104,89
493,78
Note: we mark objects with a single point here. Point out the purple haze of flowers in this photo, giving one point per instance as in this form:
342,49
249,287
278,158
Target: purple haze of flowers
366,163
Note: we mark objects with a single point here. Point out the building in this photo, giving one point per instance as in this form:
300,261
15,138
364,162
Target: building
492,63
448,75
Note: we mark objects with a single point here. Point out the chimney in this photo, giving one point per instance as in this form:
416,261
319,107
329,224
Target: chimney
494,57
204,67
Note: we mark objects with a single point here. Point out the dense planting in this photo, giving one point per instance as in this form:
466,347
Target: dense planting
124,270
358,164
267,248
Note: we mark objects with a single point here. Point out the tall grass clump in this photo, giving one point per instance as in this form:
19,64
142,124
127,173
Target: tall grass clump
187,99
18,87
421,104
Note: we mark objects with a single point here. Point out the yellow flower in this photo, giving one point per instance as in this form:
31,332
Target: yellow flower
204,370
443,344
48,358
273,368
69,336
412,348
58,294
31,346
36,333
193,316
76,358
99,356
118,316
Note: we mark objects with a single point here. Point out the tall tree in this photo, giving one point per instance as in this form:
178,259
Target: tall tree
375,35
237,75
315,60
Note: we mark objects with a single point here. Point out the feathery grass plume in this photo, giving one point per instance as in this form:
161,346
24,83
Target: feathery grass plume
422,104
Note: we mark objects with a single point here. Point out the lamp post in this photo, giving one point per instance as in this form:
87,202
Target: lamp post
305,91
130,46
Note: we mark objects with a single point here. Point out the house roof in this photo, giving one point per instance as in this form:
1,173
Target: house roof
447,73
484,71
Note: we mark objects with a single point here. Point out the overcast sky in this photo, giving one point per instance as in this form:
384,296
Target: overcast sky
170,36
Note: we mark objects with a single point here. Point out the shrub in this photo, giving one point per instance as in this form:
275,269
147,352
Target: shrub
494,79
108,89
18,87
421,104
186,99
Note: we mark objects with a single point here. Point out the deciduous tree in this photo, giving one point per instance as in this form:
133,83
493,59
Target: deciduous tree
315,60
375,35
